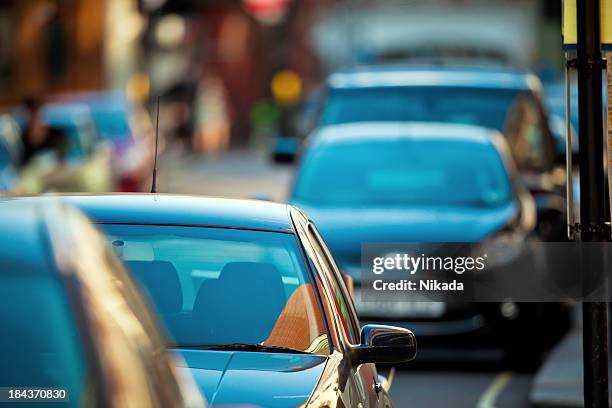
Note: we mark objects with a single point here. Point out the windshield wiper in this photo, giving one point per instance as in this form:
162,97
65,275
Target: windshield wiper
257,347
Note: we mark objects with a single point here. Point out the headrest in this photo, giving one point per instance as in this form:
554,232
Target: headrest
161,282
249,272
241,306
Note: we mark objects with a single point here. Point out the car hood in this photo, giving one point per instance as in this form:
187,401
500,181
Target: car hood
346,229
236,378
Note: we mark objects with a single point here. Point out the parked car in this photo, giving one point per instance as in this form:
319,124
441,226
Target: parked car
129,131
421,183
73,321
507,100
252,298
85,165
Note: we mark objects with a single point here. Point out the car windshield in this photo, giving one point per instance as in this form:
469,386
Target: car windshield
403,172
473,106
224,286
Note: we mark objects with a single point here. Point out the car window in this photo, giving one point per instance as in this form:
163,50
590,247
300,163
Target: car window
342,300
111,122
524,131
405,172
215,286
450,104
30,304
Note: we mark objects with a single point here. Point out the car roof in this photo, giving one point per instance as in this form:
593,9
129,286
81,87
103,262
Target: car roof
350,133
25,244
170,209
443,76
67,113
94,95
98,100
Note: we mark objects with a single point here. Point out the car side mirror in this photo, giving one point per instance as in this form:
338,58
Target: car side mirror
385,344
285,149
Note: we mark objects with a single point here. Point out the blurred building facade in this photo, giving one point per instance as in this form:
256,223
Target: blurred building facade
213,61
237,45
49,46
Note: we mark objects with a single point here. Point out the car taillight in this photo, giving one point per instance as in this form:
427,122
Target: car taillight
129,184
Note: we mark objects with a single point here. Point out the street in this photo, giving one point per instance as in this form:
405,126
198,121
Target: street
282,203
467,381
237,174
482,386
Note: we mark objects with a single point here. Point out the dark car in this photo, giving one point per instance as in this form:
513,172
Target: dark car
75,330
252,299
507,100
422,183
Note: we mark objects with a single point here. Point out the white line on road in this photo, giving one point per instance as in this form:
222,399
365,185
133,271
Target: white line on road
488,398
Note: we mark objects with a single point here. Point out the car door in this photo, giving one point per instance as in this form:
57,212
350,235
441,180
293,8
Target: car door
363,378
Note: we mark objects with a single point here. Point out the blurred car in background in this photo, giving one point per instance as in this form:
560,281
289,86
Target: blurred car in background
507,100
425,183
129,131
73,321
83,164
252,299
11,148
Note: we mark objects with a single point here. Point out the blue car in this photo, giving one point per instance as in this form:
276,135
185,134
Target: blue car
127,128
252,299
82,164
77,123
75,330
419,183
509,101
474,96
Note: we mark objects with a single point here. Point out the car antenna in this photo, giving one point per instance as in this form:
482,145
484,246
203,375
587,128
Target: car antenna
154,181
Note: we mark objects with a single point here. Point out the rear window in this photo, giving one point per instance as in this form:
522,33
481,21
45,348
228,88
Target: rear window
472,106
403,173
111,124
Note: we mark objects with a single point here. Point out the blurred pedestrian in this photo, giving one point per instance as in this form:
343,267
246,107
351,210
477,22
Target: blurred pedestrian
37,137
34,132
